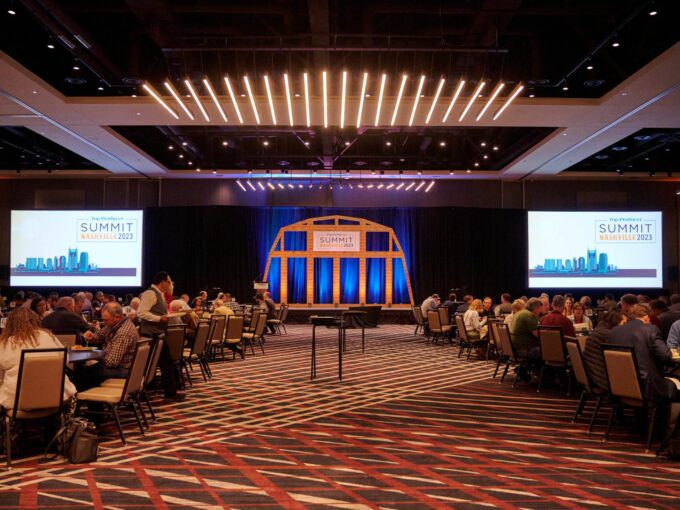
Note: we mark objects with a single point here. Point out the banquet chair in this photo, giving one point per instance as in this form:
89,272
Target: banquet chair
233,337
175,337
39,391
249,337
436,328
216,335
553,354
494,342
67,339
626,387
420,322
253,320
466,341
115,398
582,377
444,318
197,352
149,375
279,322
508,354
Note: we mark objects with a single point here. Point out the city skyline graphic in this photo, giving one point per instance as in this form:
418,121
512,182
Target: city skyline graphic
72,264
591,265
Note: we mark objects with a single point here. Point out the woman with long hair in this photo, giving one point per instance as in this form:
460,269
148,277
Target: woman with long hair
23,332
40,307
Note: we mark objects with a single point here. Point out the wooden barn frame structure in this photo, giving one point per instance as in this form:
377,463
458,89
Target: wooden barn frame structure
340,224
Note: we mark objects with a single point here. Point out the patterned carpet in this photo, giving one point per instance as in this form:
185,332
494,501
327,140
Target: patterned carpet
410,426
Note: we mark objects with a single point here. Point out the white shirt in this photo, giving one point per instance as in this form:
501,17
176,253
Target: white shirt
472,320
148,300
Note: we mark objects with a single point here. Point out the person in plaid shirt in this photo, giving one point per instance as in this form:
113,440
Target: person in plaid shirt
118,339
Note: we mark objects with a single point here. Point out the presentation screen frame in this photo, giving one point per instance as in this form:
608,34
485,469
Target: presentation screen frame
112,228
568,249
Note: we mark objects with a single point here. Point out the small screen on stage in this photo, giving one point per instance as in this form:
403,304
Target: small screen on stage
615,249
76,248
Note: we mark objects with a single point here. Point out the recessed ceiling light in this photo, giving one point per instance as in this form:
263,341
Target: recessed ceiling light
615,45
442,143
476,164
76,68
181,156
243,95
590,68
306,144
134,95
265,143
50,46
198,169
388,143
483,144
565,88
653,13
620,148
190,163
486,156
368,95
35,91
170,147
450,172
225,143
11,12
402,159
185,144
100,88
346,144
495,147
138,114
468,171
601,156
532,95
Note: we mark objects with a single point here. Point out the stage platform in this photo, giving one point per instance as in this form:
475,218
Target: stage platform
386,316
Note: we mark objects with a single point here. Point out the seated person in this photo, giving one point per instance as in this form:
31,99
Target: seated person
130,311
451,304
185,299
65,320
271,311
22,331
651,353
118,339
517,306
579,318
556,318
39,306
474,325
592,355
189,319
429,303
524,328
505,306
221,309
231,302
487,308
467,299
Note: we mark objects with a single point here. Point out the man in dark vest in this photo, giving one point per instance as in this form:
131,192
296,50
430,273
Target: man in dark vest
153,316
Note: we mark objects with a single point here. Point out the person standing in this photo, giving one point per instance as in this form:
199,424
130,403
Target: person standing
153,317
271,311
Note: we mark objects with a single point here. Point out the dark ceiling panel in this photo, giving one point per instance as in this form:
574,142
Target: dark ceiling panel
649,150
23,149
225,148
117,43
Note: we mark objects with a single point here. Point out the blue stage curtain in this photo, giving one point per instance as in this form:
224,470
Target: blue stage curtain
323,280
399,287
375,281
349,280
275,279
297,280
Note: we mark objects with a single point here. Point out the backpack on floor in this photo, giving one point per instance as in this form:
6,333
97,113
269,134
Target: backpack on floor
77,440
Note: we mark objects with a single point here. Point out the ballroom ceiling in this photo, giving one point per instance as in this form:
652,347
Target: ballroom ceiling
590,77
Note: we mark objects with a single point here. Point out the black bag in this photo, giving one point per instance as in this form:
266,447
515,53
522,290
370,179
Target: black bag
671,440
77,440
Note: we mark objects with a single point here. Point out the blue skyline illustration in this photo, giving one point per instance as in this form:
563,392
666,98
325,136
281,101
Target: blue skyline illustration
588,265
62,264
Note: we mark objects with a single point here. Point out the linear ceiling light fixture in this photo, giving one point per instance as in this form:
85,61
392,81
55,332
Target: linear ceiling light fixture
259,185
416,100
192,91
252,99
380,98
404,77
429,186
271,186
149,89
342,99
241,185
400,186
325,98
491,99
174,94
269,98
250,185
305,79
474,95
233,99
288,101
456,94
510,99
422,183
208,86
434,101
361,99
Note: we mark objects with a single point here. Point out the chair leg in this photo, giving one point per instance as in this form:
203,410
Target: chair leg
133,407
505,372
540,379
609,423
120,427
261,340
8,442
498,364
581,403
650,430
514,382
598,403
148,403
462,346
141,410
186,371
